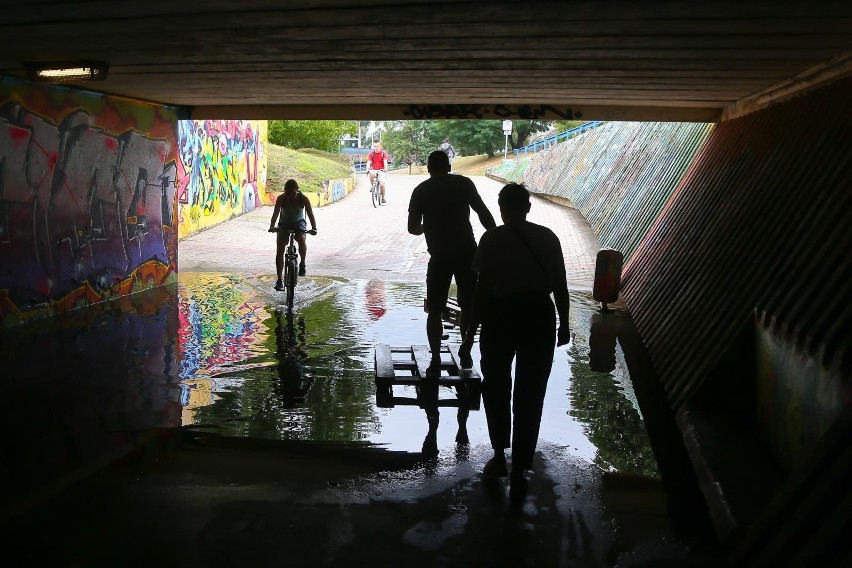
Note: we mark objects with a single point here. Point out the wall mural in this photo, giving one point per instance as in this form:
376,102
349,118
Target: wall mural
222,171
87,198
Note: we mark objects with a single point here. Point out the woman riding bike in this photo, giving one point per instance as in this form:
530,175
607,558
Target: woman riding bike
292,206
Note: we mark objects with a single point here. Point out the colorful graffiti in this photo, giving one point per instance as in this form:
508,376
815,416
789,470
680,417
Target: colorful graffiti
87,197
222,171
618,175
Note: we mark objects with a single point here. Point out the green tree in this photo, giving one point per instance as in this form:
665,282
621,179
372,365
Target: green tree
561,126
414,139
486,136
473,137
319,134
523,129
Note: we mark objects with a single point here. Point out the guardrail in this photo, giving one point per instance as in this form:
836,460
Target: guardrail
554,140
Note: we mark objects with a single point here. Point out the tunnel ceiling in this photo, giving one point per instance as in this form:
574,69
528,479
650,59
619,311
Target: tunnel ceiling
396,59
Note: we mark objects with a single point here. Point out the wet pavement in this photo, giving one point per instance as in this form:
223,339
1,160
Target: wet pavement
199,426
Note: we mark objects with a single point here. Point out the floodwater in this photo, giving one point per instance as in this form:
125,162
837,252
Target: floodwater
247,370
201,406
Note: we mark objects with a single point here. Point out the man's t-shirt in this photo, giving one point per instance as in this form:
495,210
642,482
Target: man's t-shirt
377,160
445,201
525,258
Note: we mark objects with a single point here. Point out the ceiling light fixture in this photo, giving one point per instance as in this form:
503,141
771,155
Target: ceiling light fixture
65,72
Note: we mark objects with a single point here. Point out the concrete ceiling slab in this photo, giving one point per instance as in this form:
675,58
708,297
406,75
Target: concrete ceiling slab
409,59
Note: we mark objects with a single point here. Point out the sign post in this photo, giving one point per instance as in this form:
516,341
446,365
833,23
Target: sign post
507,129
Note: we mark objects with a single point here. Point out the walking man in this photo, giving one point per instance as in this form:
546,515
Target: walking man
519,264
440,209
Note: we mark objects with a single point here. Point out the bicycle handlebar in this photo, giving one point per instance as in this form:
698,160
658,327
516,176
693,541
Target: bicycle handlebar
278,230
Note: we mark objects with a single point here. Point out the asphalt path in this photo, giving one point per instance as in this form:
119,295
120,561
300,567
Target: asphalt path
357,241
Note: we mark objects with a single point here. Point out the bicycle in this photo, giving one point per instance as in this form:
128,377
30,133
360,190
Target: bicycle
376,190
291,265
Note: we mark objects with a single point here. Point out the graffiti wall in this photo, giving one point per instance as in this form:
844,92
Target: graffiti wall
87,198
222,171
619,175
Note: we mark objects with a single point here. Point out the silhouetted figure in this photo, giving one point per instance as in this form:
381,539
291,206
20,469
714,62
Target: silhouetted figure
293,383
520,264
440,209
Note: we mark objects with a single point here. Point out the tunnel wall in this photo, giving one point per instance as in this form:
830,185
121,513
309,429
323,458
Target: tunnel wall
739,284
87,198
756,231
223,168
618,175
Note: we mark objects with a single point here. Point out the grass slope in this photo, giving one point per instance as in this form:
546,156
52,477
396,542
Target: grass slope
308,167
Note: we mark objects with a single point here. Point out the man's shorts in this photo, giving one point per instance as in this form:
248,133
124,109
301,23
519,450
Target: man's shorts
439,274
381,174
301,225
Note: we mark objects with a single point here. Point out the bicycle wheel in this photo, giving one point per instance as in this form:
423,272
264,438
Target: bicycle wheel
374,192
290,276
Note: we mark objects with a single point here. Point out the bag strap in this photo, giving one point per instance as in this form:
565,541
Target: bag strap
533,251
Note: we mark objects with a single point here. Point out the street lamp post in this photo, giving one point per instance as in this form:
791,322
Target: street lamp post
507,129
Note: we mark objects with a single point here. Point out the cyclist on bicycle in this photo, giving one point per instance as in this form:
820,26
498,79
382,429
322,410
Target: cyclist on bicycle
377,162
292,206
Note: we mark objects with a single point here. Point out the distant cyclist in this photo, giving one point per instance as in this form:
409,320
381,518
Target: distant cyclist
377,164
292,206
448,149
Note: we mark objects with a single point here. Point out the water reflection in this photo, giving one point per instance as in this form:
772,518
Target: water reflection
86,384
375,299
430,396
602,396
293,382
602,344
315,380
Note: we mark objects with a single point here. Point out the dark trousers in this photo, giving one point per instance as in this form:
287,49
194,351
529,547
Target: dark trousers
522,327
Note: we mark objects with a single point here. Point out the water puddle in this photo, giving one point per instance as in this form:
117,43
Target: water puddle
247,370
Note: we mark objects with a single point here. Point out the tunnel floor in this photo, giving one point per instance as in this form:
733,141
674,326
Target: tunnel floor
164,433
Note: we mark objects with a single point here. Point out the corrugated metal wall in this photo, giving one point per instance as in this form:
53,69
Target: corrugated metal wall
618,175
760,224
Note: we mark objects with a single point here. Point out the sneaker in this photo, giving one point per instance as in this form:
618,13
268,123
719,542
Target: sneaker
383,201
301,270
278,285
